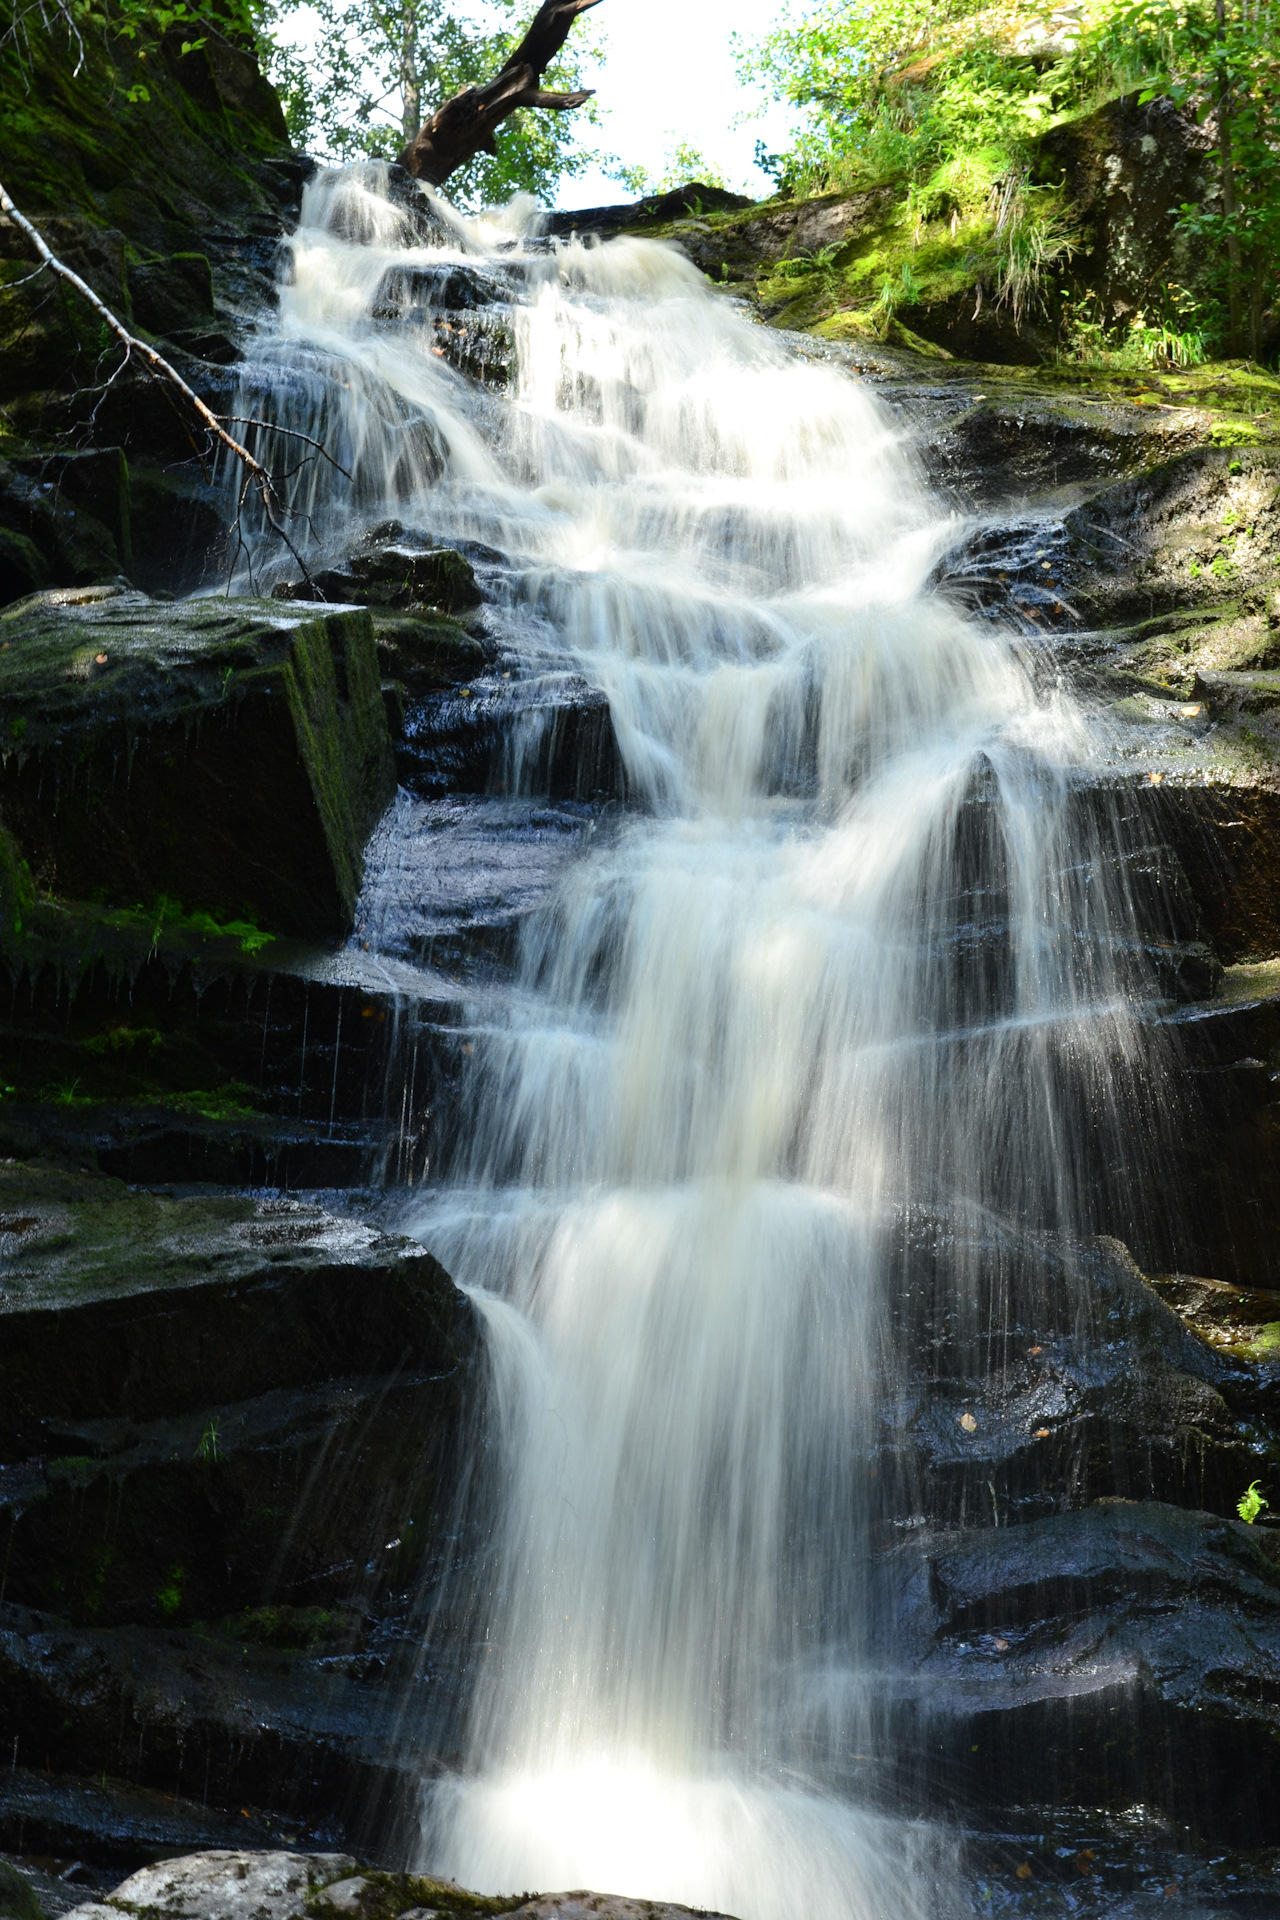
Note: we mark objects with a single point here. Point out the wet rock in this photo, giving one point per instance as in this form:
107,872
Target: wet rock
1044,1375
228,755
226,1456
1177,535
426,654
69,1818
452,285
1130,1651
549,735
1002,443
122,1305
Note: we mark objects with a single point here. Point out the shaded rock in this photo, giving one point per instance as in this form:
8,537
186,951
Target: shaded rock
229,755
173,294
178,529
405,577
1128,169
45,532
67,1816
23,568
1127,1652
654,207
118,1304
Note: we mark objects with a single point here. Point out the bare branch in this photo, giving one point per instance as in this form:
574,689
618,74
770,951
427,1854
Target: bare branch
466,124
170,380
290,433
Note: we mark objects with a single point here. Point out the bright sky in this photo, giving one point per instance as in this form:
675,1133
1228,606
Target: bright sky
668,75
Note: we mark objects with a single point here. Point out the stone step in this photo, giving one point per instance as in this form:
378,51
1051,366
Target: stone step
230,756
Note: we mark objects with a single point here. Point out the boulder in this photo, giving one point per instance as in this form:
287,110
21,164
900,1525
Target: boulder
298,1886
232,756
404,576
225,1463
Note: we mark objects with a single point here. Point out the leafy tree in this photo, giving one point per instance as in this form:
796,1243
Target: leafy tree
380,66
684,163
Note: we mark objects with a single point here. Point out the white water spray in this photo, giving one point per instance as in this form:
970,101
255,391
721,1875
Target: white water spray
841,960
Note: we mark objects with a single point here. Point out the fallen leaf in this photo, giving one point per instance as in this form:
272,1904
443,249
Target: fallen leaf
1024,1871
968,1422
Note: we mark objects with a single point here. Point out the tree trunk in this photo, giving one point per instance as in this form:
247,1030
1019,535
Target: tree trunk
410,79
1229,202
465,125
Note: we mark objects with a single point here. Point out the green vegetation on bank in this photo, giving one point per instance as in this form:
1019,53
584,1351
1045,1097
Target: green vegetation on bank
956,107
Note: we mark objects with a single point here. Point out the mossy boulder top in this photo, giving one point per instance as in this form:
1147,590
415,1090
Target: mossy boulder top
73,661
232,755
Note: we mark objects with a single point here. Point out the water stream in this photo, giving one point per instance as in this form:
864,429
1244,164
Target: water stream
845,960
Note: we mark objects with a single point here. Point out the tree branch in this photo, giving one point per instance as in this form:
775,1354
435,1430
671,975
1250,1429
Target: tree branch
466,124
168,376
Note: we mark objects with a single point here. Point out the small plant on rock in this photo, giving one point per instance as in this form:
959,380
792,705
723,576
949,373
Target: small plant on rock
1251,1503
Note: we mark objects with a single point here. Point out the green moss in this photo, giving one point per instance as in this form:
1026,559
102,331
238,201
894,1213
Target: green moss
18,1899
294,1629
169,1594
387,1895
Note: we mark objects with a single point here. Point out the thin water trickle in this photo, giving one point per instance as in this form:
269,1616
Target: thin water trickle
846,959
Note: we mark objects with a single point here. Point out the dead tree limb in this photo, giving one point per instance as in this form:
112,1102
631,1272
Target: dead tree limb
465,125
255,474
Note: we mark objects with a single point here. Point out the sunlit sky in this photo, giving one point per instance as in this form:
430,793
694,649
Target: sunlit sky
668,75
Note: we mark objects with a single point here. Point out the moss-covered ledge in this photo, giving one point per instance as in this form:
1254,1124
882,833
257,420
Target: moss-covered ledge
232,756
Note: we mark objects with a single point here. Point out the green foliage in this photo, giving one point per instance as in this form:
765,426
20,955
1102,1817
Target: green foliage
72,24
1251,1503
949,101
380,68
684,165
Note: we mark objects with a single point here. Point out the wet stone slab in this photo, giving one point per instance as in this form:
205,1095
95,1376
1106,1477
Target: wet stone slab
231,756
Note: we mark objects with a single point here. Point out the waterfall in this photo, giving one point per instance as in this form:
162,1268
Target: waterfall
847,963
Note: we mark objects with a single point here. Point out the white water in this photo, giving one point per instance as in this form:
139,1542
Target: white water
840,959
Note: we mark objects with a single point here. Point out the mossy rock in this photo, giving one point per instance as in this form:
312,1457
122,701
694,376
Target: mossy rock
232,756
424,653
385,1896
18,1899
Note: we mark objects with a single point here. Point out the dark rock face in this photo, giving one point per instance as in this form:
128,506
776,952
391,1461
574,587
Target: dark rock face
224,754
1124,1651
226,1438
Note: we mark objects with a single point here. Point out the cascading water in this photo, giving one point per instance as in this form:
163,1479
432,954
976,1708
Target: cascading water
844,964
